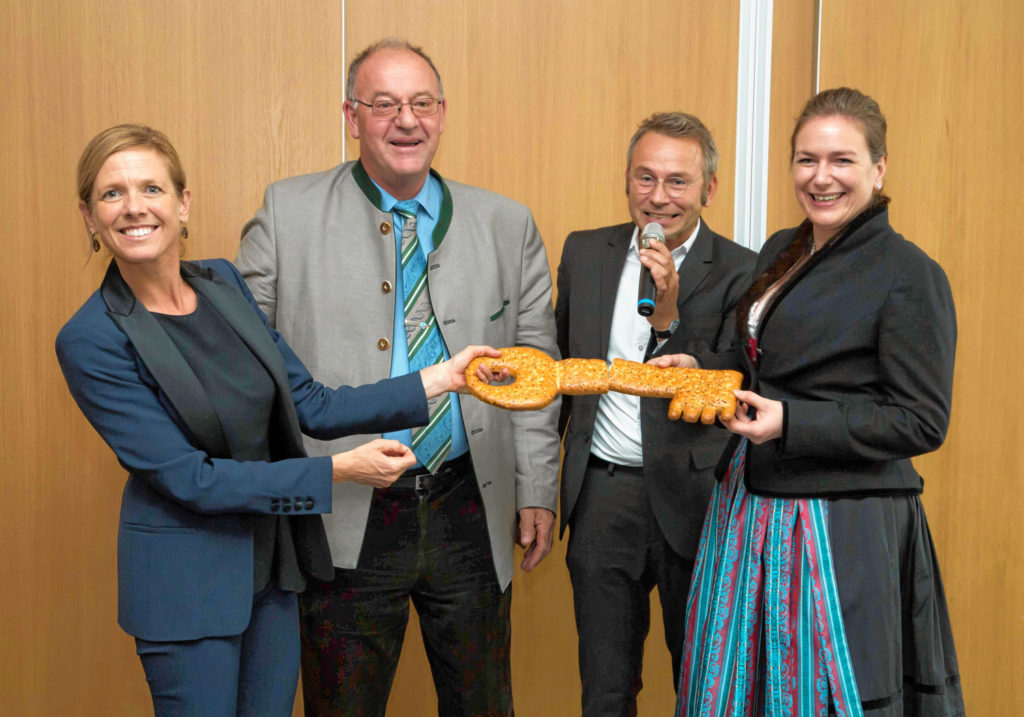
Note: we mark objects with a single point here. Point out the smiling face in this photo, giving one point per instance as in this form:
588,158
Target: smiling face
135,209
833,175
397,151
663,162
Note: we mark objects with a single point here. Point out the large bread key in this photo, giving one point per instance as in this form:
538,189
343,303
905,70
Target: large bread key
696,394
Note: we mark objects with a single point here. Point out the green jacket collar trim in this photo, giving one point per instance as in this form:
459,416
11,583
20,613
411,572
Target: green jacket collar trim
372,193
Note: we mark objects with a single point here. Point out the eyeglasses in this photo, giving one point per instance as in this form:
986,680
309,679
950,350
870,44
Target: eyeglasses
386,107
645,183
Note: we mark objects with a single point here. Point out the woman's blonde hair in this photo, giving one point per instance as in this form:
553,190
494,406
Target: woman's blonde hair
117,139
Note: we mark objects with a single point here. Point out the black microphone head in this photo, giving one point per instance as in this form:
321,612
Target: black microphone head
652,232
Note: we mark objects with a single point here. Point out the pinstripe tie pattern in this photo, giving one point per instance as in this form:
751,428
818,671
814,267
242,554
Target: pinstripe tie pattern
431,442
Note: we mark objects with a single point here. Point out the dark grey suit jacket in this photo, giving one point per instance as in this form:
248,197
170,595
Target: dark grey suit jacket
679,458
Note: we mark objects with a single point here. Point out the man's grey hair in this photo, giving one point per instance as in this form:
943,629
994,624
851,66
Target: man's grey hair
679,125
388,43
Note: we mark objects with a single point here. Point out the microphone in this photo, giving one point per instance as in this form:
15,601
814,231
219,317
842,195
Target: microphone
647,291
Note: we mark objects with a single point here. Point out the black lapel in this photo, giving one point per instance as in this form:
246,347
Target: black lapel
697,264
168,367
613,258
231,304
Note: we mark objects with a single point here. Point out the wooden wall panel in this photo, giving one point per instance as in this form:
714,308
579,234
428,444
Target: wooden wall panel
248,91
949,78
544,96
793,29
542,100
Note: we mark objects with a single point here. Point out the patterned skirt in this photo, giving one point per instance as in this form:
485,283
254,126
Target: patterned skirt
815,607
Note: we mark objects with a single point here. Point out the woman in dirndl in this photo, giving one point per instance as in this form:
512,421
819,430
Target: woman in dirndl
816,589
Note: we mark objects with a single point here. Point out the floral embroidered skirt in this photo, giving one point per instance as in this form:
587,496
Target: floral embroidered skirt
816,606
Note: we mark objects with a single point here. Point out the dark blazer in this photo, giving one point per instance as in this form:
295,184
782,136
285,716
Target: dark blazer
679,457
860,348
185,542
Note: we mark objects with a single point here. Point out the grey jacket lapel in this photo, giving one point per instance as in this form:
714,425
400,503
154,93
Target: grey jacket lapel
697,264
166,364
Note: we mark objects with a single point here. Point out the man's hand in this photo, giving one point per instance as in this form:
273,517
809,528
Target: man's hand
674,361
536,533
662,265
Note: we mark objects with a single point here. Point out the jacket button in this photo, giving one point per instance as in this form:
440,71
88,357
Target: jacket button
385,227
383,344
386,287
309,504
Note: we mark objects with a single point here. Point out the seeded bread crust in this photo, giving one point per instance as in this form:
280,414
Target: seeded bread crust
535,374
697,394
579,377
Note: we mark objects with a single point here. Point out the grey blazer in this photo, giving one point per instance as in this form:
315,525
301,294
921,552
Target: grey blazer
319,257
679,458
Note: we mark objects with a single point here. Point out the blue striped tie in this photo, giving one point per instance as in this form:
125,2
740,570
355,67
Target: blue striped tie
431,442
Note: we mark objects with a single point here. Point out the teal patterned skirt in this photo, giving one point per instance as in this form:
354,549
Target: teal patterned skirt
816,606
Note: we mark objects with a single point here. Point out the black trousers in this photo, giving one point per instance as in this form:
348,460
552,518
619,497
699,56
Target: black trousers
616,556
431,546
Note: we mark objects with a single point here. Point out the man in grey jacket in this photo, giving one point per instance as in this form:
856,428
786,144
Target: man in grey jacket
368,269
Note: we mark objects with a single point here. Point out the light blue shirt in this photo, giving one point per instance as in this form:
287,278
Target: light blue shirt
428,209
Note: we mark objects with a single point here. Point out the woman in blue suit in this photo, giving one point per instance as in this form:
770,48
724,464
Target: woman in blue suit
203,404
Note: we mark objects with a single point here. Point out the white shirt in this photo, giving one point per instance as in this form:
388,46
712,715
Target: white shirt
617,436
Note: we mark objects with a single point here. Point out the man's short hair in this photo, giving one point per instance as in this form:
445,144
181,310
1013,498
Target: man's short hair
679,125
388,43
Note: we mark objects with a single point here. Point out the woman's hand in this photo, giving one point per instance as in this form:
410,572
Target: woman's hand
766,425
674,361
450,375
377,463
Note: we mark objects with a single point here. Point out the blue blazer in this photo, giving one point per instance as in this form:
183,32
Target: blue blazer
185,542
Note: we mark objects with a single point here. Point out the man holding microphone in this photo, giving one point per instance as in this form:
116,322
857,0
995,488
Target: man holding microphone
634,484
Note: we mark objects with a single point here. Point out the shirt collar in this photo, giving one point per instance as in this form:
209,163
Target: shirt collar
428,198
678,253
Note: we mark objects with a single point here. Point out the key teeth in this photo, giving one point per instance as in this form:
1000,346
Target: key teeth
675,407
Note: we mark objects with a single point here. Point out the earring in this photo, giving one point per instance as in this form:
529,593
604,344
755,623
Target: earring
95,242
184,230
878,186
